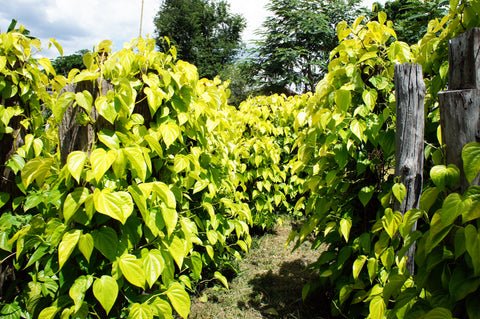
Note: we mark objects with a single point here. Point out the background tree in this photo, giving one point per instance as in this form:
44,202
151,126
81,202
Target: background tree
412,16
296,39
63,64
204,33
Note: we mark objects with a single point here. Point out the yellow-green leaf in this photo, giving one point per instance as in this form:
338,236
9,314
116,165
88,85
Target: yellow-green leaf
179,299
73,202
105,289
222,278
117,205
85,100
85,245
78,289
75,163
61,105
137,162
101,161
132,269
170,132
153,264
344,229
67,245
164,192
36,169
471,160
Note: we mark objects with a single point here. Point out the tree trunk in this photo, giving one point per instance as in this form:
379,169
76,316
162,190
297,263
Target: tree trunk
460,105
410,97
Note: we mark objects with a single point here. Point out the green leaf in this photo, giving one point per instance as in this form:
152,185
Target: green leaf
101,161
36,169
109,139
472,244
365,195
139,199
462,283
377,308
438,313
162,308
153,264
132,269
358,265
75,162
409,220
86,245
165,194
344,229
140,311
391,221
181,163
170,217
65,249
372,267
138,164
388,257
154,144
48,313
105,289
4,197
61,105
105,240
73,201
429,197
370,96
170,132
343,99
452,208
473,306
78,289
117,205
11,311
179,299
471,160
358,127
106,109
445,176
399,191
437,232
223,280
85,100
176,248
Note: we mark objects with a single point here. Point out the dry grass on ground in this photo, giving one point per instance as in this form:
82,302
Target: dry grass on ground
269,284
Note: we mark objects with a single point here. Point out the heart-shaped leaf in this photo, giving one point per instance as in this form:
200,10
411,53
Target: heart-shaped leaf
105,289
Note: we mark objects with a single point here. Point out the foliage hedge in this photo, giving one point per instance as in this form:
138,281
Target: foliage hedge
172,178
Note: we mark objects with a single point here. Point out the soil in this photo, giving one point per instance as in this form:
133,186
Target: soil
269,284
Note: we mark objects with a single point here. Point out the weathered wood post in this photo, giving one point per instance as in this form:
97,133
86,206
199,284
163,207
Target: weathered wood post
460,104
409,149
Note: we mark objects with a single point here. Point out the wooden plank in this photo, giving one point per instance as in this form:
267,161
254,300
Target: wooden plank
460,105
409,151
464,61
460,122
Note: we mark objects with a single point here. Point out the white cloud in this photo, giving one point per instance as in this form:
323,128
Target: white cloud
81,24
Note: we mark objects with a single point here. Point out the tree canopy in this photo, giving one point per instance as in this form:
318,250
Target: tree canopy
63,64
204,33
295,42
412,16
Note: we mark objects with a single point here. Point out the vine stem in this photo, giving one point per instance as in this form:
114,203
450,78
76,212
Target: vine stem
4,259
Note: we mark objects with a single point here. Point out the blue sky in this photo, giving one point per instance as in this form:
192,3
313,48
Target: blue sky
80,24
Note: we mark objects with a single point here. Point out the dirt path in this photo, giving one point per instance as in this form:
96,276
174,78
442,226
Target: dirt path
269,284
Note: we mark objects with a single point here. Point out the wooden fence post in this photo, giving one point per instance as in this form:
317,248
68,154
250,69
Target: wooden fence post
409,150
460,104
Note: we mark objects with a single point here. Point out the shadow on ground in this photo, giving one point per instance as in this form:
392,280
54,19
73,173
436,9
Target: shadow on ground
278,295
